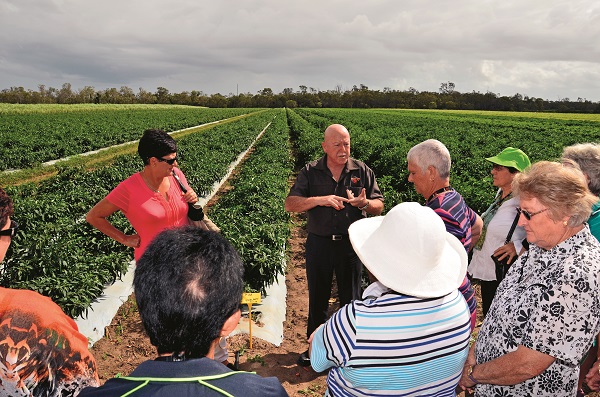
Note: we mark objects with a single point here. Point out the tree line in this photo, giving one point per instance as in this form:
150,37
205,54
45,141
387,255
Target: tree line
447,97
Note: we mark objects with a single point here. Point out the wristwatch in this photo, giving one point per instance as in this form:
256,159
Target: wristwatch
365,207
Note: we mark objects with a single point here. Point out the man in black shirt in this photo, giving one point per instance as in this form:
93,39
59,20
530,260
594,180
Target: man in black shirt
336,190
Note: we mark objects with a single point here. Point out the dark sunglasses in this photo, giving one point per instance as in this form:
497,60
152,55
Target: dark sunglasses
528,215
11,231
169,161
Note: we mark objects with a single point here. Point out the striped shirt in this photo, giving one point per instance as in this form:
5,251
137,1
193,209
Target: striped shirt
456,214
459,219
391,344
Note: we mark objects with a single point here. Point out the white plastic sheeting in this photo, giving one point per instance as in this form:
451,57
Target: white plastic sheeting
272,308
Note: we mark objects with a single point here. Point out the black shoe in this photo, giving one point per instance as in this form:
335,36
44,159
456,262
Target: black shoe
304,360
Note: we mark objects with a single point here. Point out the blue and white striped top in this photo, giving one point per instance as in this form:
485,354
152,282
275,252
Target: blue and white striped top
393,344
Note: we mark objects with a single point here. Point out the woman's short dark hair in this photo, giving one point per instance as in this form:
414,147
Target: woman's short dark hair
155,143
6,207
187,284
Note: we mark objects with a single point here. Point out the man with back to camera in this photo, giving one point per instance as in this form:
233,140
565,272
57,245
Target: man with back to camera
336,190
188,287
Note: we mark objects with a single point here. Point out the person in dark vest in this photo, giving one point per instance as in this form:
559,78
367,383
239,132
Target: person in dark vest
188,288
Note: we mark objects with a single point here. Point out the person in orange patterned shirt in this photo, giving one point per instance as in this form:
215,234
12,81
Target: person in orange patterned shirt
42,352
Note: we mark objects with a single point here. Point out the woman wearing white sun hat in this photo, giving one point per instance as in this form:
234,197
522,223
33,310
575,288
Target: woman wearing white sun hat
410,333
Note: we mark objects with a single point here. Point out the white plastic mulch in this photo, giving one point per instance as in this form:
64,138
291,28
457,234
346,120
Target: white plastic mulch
272,307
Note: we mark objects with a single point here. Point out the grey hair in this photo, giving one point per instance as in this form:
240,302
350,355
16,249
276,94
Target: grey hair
431,153
562,189
587,157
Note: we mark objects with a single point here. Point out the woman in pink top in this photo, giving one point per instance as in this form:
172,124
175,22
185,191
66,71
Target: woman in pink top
150,199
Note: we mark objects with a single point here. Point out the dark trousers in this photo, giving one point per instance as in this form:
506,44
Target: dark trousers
323,257
488,290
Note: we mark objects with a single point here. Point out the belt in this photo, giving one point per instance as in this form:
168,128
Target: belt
333,237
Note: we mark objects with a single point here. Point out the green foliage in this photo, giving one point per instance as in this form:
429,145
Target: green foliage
29,137
382,138
61,256
257,358
252,215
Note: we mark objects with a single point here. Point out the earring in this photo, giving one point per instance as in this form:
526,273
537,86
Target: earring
565,223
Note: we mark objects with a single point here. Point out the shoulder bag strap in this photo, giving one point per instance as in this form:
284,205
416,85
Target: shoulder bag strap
512,228
183,188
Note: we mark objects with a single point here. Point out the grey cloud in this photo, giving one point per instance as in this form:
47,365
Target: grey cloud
547,48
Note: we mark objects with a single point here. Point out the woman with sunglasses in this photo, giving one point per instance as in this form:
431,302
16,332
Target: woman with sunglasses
151,199
497,221
546,311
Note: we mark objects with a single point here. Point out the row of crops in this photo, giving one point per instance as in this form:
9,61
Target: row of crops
382,138
58,254
30,138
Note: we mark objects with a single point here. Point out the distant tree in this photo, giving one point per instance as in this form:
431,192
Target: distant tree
127,95
162,95
217,101
110,95
447,88
290,103
65,95
198,98
145,97
266,92
182,98
86,94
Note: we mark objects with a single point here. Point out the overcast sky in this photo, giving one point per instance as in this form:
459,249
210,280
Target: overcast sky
538,48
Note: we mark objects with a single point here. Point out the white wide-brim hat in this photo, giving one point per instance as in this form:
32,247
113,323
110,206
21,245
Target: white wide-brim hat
409,251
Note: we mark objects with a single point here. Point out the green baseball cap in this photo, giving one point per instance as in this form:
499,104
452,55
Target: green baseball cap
511,157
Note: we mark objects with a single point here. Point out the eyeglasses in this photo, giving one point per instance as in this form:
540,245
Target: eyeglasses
528,215
168,161
11,231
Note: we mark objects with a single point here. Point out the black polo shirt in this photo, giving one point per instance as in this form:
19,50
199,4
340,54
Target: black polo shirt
315,179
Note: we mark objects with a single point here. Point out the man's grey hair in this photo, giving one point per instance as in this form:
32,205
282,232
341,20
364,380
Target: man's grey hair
431,153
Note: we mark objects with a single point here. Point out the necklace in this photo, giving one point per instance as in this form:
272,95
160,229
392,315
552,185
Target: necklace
147,182
439,191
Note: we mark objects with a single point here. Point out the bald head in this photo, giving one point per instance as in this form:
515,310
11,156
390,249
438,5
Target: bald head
336,144
334,131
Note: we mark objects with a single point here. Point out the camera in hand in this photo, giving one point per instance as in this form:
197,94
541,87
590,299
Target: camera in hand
195,211
502,266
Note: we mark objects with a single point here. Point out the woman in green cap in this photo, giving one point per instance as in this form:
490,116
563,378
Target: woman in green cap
497,222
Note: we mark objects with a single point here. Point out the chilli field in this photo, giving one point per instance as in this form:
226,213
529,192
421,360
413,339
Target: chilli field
59,255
